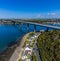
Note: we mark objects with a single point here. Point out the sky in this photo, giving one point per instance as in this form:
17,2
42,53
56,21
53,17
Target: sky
29,8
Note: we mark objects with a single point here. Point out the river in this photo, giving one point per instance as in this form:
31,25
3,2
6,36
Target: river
10,33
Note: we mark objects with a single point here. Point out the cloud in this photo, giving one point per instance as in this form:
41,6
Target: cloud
38,15
51,14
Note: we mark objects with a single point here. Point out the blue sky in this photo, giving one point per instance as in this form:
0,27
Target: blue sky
29,8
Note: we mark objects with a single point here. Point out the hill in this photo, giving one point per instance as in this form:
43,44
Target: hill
49,45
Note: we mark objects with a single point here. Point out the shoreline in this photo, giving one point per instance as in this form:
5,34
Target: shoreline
7,53
17,53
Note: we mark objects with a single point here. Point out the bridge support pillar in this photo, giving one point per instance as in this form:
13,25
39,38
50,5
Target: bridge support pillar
34,28
47,29
28,27
21,24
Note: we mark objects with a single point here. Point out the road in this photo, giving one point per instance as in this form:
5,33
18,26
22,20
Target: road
37,52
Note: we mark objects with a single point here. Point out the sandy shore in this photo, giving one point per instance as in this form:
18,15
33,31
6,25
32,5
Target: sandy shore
17,53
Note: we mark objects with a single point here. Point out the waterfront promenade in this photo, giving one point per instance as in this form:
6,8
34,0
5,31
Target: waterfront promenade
21,51
17,53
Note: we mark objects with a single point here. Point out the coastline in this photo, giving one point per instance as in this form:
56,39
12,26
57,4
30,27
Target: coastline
6,54
17,53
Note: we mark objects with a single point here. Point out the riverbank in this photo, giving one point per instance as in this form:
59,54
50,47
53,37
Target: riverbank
17,52
6,54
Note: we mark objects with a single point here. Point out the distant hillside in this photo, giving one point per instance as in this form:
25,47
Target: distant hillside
49,45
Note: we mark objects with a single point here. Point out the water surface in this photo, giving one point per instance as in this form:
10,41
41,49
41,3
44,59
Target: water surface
10,33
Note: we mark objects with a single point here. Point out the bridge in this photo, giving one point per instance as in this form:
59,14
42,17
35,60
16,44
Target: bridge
35,24
42,25
38,24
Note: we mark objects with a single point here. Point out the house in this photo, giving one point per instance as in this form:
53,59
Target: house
28,50
26,54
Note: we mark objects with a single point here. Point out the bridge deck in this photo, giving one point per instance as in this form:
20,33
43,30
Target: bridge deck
48,26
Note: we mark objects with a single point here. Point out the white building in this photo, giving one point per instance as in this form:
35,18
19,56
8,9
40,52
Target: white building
28,50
